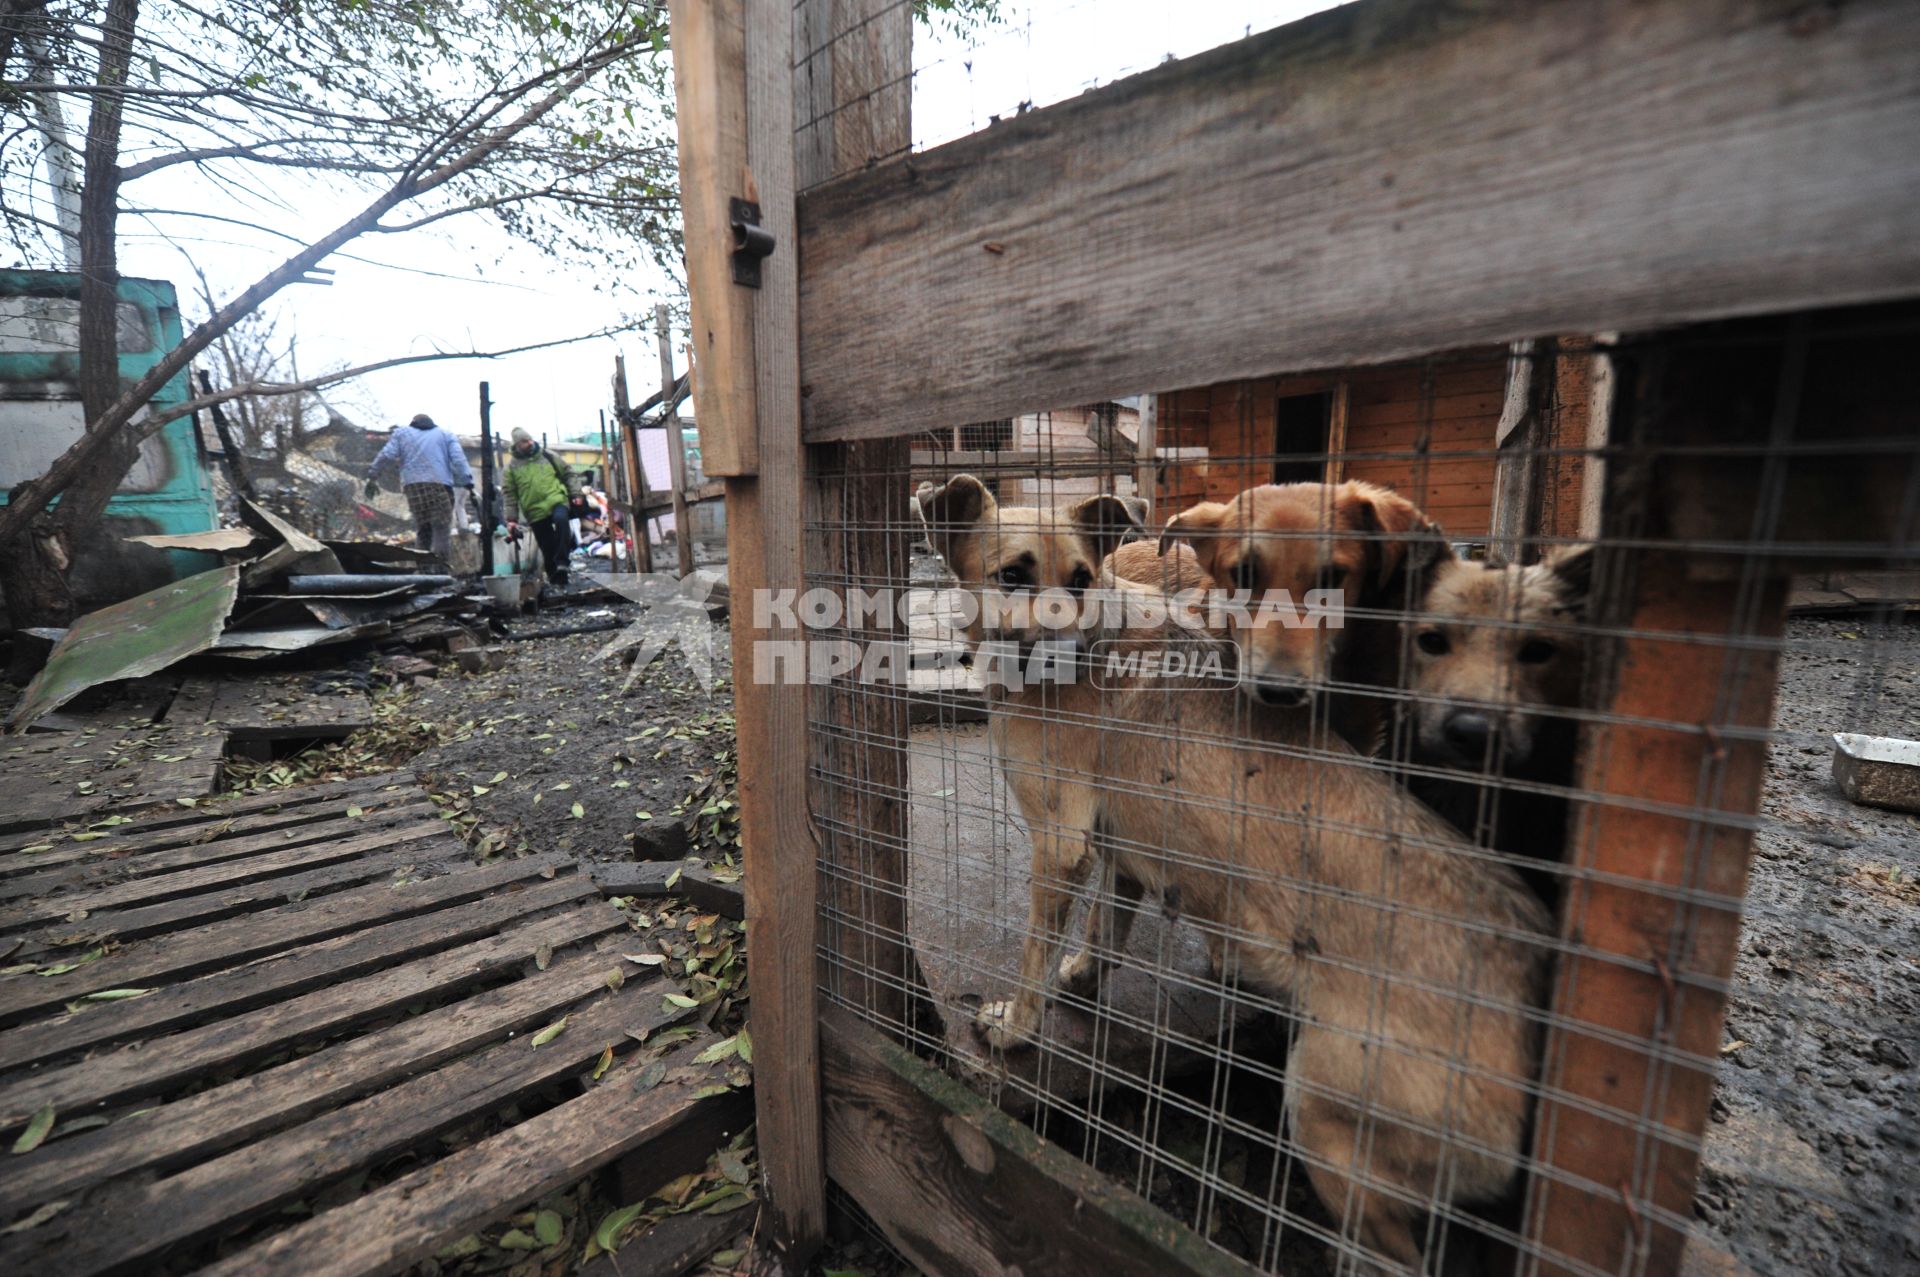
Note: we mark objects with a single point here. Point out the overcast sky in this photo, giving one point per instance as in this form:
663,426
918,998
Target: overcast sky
466,284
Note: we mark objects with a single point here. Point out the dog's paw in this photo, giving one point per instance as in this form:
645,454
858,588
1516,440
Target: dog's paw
998,1025
1080,973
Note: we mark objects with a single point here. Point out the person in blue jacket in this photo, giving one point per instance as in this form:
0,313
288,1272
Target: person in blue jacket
431,466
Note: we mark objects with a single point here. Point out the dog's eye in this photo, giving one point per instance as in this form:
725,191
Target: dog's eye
1080,580
1536,652
1246,574
1432,642
1014,578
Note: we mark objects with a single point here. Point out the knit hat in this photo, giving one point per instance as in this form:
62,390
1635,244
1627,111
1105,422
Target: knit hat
421,421
520,436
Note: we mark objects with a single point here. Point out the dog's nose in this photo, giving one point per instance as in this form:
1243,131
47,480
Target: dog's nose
1469,734
1281,697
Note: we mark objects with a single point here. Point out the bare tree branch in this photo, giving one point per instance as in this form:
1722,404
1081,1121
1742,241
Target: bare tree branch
153,421
30,499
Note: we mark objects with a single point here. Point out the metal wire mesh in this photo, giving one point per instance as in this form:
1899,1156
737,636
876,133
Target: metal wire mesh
1450,787
1510,923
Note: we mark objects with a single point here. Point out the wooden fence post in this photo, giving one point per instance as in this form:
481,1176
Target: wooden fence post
630,449
676,447
1146,483
1669,782
733,77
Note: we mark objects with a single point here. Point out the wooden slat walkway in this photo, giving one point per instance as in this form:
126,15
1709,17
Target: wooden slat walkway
90,765
321,993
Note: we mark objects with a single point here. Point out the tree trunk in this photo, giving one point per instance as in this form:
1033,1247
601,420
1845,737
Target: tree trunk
33,564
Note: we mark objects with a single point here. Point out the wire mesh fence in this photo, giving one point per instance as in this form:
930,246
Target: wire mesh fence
1325,802
1377,814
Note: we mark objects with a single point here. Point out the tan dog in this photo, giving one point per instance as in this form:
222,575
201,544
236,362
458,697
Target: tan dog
1493,659
1413,966
1355,538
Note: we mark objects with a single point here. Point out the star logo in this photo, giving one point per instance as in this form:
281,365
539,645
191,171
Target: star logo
676,611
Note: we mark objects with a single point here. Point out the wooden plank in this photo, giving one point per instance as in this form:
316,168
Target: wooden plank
153,835
1147,478
655,878
406,1221
1620,1126
270,800
733,73
630,446
224,902
961,1188
1391,152
216,877
671,1246
676,445
123,864
223,994
711,490
1339,428
709,87
134,1071
251,711
1638,1003
143,964
147,816
208,1121
230,1189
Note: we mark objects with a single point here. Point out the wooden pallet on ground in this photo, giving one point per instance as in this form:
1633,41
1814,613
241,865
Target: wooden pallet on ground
166,740
328,986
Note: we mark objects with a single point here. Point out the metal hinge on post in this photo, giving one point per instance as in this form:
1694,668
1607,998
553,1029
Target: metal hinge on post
750,242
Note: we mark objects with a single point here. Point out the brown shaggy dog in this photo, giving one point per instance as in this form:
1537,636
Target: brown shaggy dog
1412,964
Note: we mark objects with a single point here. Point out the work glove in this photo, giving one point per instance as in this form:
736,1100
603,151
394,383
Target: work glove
371,490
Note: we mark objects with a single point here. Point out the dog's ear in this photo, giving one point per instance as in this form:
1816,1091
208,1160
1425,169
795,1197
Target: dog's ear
951,513
1572,566
1403,538
1103,520
1205,518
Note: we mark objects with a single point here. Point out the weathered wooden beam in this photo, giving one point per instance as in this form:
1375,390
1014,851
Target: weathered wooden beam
963,1189
711,490
733,77
709,50
1382,180
1704,491
1146,483
676,445
636,471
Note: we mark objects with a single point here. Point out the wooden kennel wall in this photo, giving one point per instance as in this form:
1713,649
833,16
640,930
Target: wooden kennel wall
1398,178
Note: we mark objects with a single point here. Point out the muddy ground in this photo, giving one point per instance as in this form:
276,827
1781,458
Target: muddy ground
1813,1158
550,751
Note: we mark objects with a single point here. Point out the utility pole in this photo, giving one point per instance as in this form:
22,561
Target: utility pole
63,170
486,481
676,445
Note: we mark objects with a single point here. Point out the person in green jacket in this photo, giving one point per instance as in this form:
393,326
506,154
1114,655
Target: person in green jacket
539,487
